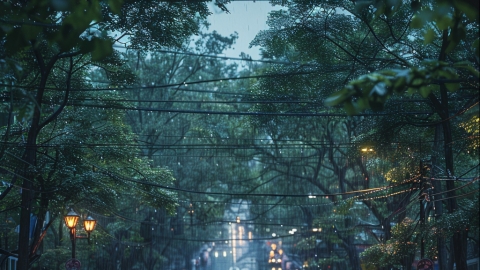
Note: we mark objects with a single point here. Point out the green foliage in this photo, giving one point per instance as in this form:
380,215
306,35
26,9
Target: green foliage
392,252
371,91
71,24
46,49
56,257
407,236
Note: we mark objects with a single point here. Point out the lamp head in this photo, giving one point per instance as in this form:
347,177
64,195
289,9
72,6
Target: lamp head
71,219
89,224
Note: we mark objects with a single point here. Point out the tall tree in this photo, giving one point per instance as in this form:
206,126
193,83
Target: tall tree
43,42
317,37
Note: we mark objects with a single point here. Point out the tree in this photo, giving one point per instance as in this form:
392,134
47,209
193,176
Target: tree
450,31
387,40
316,38
44,45
166,133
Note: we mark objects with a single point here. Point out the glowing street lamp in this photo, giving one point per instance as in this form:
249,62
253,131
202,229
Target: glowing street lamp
71,220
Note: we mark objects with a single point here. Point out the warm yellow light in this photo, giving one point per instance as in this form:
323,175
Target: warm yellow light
224,254
238,219
216,254
280,251
89,224
71,219
274,246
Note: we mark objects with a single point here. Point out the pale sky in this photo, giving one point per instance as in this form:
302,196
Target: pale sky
247,18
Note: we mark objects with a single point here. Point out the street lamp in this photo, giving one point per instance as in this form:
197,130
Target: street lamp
71,220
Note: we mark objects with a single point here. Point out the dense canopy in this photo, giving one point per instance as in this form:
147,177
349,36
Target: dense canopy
352,142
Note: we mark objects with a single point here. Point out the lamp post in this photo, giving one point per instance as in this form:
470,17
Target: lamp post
71,220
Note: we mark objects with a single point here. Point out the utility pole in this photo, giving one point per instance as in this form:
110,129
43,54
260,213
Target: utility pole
423,196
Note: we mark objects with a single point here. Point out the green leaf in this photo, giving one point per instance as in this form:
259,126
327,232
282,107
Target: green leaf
102,48
451,45
429,36
452,87
467,66
115,5
444,22
15,42
399,84
469,11
417,22
67,38
424,91
30,32
349,108
86,46
411,91
362,104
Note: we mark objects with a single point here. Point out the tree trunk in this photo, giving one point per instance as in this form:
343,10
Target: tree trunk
459,250
441,245
26,203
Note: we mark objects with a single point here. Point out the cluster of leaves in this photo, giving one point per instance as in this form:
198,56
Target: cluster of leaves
46,49
371,91
408,235
393,251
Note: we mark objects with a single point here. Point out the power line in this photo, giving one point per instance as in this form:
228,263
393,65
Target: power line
171,85
225,57
209,112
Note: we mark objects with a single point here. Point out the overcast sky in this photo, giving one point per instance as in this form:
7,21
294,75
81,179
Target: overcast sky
247,18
